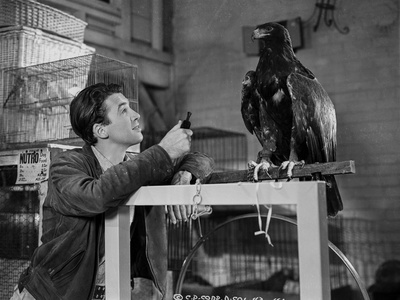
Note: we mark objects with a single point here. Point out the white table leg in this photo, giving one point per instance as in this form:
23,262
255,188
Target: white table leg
117,253
313,246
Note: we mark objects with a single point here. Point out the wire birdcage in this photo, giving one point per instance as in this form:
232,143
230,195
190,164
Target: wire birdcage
228,259
35,99
19,227
227,148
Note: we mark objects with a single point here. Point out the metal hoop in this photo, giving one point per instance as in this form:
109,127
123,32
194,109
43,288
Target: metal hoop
336,250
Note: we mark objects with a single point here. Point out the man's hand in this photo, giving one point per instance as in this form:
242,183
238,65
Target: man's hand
180,212
177,141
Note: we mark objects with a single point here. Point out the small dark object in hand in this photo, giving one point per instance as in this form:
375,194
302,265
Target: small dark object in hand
186,123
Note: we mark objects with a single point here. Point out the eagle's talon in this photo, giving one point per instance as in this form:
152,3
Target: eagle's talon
289,165
301,163
284,165
254,168
250,170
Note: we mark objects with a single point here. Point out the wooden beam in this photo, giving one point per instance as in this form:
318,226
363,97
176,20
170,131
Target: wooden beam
102,39
83,5
157,25
331,168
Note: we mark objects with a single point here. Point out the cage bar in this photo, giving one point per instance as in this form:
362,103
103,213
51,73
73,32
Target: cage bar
35,100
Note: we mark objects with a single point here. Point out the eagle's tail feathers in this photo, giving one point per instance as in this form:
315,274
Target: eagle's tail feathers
333,198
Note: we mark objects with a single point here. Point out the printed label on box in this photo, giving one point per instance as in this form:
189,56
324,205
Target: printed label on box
33,166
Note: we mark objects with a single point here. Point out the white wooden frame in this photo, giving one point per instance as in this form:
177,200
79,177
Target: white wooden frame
309,197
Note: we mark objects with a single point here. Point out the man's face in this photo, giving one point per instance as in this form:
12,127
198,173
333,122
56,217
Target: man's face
124,122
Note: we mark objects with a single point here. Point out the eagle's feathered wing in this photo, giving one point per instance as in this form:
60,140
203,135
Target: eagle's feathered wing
255,114
313,118
314,123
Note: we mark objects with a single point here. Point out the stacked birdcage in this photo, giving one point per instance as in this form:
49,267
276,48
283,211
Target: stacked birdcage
38,15
36,98
33,33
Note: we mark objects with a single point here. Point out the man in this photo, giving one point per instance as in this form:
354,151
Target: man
84,183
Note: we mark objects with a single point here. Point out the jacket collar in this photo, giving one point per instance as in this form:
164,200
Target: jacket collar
87,150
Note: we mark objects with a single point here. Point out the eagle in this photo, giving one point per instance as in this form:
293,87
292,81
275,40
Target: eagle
288,110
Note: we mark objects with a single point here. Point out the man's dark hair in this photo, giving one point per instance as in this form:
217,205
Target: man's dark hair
87,109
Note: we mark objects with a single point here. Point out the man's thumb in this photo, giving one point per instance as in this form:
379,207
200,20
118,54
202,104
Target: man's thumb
177,126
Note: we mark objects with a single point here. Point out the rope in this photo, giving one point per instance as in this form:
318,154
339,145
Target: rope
269,215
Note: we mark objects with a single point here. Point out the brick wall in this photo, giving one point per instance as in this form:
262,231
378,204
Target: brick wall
359,70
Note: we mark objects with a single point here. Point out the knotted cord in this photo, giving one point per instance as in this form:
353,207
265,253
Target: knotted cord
269,215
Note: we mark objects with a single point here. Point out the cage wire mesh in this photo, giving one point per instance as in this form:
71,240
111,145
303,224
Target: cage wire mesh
19,225
35,99
227,148
366,247
233,258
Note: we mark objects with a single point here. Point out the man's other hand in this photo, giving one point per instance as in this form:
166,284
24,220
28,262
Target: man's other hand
180,212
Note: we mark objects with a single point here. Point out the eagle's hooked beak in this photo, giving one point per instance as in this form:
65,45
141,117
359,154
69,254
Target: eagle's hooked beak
258,34
246,81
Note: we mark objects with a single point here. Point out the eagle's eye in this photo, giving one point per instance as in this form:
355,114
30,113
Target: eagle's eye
268,29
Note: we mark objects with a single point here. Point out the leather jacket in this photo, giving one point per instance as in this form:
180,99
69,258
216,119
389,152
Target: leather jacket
79,193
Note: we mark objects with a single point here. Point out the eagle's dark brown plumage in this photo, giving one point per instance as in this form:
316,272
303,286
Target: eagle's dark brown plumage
288,110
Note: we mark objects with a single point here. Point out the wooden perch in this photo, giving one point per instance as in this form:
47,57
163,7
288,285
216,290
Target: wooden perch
331,168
